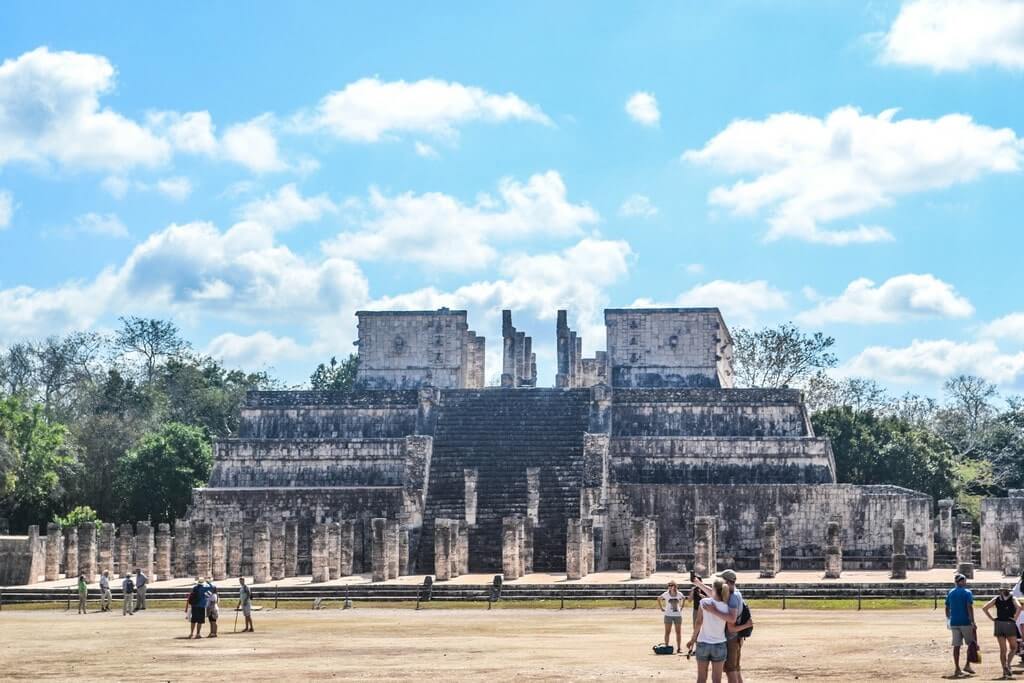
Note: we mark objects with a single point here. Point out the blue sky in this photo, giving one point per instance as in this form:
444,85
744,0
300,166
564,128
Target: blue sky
259,176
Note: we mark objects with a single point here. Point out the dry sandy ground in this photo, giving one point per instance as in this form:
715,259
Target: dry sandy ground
447,645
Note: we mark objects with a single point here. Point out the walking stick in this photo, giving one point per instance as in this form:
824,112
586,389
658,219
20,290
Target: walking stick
235,629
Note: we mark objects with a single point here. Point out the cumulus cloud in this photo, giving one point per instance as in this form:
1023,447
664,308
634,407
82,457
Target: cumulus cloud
287,208
253,145
956,35
741,303
937,359
898,299
426,151
371,110
1010,327
6,208
254,351
809,173
638,206
642,107
100,225
440,231
177,188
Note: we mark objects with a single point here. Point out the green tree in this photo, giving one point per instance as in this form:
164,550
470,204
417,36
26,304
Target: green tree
335,376
155,480
82,513
150,340
780,357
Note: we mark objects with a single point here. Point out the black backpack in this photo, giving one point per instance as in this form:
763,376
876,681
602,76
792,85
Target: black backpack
663,649
744,618
129,586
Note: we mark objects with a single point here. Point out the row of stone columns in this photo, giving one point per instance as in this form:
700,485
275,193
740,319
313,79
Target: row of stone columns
89,549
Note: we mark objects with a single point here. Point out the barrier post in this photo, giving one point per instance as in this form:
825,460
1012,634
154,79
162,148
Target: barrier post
67,608
858,599
634,595
275,595
935,598
783,600
562,605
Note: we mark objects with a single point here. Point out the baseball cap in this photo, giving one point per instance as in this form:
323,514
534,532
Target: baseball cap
728,575
957,578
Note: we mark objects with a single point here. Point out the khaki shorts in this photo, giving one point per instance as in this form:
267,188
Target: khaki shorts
962,633
678,621
735,648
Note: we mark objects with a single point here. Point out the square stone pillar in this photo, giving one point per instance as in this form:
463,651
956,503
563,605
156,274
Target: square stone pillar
533,494
403,552
391,538
705,545
248,533
87,550
462,529
37,555
201,536
521,543
125,550
53,547
528,529
899,549
291,549
234,551
379,549
511,562
163,552
218,552
469,492
587,546
277,534
1009,543
945,524
182,547
346,547
442,549
71,552
573,550
261,553
652,545
319,553
333,543
965,549
455,549
105,540
834,548
638,547
771,550
144,547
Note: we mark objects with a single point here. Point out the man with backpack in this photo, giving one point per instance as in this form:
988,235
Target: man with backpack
127,588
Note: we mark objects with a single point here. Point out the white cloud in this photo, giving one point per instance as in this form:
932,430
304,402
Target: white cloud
955,35
6,208
102,225
439,231
937,359
811,172
371,110
1009,327
116,186
642,107
50,111
741,303
287,208
253,145
695,268
254,351
176,188
426,151
192,132
898,299
638,205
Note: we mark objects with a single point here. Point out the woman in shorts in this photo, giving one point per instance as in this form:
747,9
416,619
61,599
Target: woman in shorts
672,602
709,633
212,611
1005,620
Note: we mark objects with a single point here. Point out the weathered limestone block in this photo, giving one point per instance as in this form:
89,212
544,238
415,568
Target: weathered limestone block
379,550
533,494
319,553
291,549
455,552
235,549
403,552
163,551
201,537
87,550
346,547
125,549
105,552
71,552
834,548
528,530
470,477
261,553
463,531
1009,537
965,549
144,547
333,549
652,546
899,553
391,538
587,546
705,545
945,524
182,547
218,552
442,549
771,552
53,548
277,537
639,568
511,561
37,555
573,550
521,543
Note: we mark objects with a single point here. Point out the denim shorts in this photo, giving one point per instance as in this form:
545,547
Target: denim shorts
711,652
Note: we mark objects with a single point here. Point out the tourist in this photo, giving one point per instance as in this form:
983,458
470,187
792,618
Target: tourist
671,603
1005,620
709,633
127,588
960,618
212,610
245,604
1018,593
197,608
140,588
105,591
83,593
734,643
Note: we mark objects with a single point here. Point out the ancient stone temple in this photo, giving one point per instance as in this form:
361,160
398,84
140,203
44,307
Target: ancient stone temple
642,456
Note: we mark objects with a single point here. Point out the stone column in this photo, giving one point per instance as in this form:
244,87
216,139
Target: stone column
638,547
346,547
587,546
261,553
521,543
391,529
965,549
1009,542
218,552
379,549
125,549
36,555
834,548
87,550
652,546
235,549
533,494
899,550
945,524
528,529
163,551
291,549
771,552
106,536
71,552
333,542
202,538
442,549
277,534
469,492
510,560
144,548
705,552
182,547
403,552
574,550
52,572
455,549
319,554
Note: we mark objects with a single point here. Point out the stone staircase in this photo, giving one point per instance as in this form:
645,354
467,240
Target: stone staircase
500,433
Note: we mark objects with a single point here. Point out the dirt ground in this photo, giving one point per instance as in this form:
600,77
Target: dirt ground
461,644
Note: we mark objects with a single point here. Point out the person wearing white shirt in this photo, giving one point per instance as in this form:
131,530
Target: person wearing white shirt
671,603
105,591
709,630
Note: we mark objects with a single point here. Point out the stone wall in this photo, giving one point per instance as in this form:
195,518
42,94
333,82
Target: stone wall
328,414
573,370
22,559
1002,529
